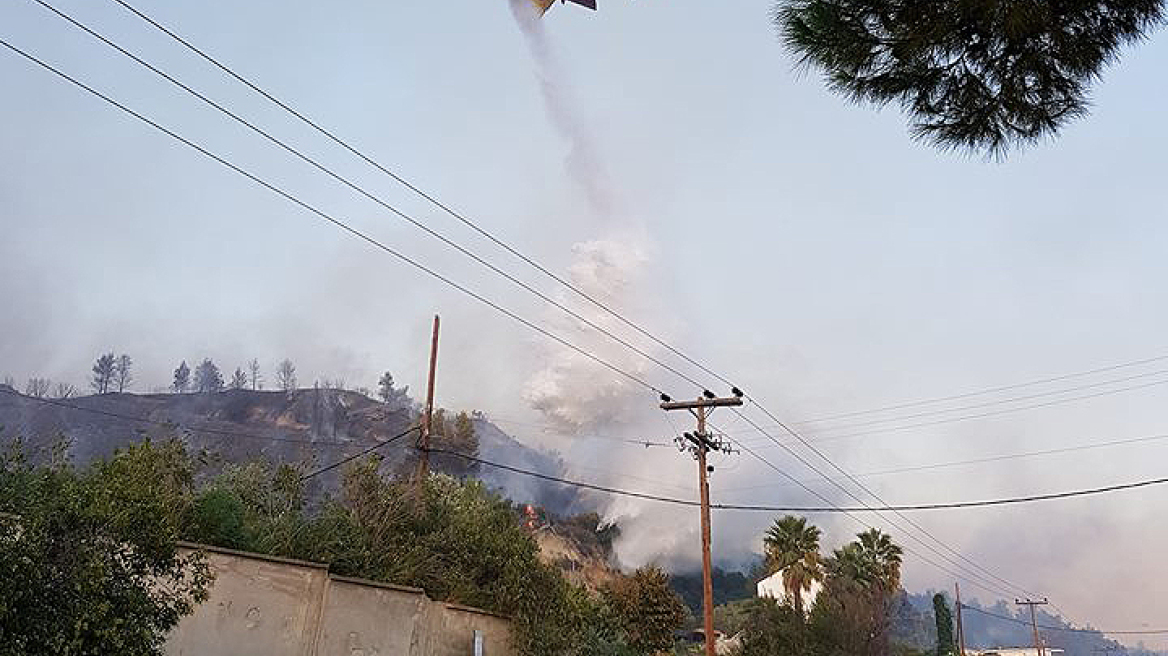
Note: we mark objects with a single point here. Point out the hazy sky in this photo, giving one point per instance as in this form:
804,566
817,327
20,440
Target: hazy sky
673,161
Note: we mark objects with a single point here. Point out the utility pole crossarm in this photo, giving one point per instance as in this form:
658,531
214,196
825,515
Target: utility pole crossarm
722,402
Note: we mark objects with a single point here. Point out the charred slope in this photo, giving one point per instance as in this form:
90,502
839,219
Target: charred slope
310,426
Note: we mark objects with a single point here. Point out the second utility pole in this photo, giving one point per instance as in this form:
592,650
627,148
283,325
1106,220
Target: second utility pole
700,444
1034,621
427,417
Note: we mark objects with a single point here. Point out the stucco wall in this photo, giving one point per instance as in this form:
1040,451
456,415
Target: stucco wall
259,607
262,606
452,628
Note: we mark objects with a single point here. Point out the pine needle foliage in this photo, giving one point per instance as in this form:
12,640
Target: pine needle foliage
986,76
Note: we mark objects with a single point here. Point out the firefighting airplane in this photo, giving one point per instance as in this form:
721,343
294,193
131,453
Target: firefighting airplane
543,5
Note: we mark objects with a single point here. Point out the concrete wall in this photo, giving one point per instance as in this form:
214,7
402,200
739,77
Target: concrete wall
263,606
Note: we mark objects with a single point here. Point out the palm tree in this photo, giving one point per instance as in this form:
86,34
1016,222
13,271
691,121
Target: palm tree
792,547
977,75
873,558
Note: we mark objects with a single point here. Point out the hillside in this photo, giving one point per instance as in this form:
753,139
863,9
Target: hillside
314,426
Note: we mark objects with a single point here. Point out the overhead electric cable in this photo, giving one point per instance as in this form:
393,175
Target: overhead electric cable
675,371
1063,628
430,198
353,457
982,415
987,459
826,509
987,404
972,578
362,191
329,218
444,207
969,563
982,392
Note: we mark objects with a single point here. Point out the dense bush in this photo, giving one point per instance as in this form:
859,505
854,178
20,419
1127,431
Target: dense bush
88,558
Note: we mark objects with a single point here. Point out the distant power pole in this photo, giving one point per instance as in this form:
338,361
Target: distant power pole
427,416
1034,620
960,629
699,443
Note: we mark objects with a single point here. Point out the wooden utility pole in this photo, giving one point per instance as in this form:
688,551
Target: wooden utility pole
427,416
700,444
960,630
1034,621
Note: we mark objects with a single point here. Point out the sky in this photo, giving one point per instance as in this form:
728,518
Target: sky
671,159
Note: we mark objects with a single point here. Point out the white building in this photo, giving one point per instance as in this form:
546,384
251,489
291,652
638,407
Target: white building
772,586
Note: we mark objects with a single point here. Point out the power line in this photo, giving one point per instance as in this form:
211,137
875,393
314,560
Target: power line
408,185
430,198
330,219
591,436
362,191
982,392
376,199
358,455
1063,628
987,459
994,413
970,562
986,404
744,507
975,580
830,508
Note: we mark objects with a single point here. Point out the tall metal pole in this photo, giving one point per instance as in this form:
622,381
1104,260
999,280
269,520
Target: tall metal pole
707,574
960,630
427,414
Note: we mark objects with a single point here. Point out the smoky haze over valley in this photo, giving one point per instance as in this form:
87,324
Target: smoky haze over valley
669,161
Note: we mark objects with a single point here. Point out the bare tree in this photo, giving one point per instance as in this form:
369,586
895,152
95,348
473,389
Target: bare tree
9,381
238,380
257,380
182,378
103,373
286,375
63,391
37,387
122,375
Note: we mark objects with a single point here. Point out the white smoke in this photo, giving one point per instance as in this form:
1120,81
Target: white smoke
583,398
572,391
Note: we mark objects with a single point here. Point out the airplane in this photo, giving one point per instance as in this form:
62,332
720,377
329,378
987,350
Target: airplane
543,5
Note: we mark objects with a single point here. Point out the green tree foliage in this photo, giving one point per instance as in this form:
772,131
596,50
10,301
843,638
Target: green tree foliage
773,629
646,609
792,547
980,75
851,616
458,542
458,436
944,617
873,559
88,559
728,587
